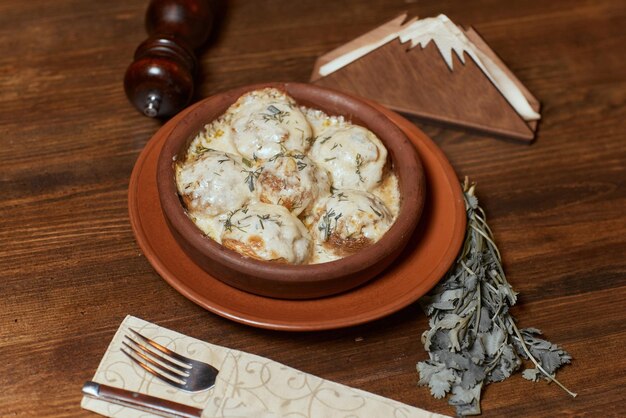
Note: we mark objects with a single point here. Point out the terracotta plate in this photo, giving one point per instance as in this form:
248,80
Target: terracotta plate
425,260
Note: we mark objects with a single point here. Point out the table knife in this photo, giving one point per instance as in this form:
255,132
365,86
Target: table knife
140,401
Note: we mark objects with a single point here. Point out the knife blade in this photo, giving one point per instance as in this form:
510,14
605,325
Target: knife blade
140,401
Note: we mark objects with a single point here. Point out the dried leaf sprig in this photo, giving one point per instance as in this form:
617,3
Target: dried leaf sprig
473,339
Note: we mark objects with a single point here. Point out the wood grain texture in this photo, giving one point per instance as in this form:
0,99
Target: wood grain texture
71,269
417,81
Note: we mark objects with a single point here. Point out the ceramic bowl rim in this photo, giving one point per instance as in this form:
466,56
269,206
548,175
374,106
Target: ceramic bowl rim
406,162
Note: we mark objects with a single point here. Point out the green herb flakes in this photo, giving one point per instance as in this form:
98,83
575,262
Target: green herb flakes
328,223
274,114
251,177
359,163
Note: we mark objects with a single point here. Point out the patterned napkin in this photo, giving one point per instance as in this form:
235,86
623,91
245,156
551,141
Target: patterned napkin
247,385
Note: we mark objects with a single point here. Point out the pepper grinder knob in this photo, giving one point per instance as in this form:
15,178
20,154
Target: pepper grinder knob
160,80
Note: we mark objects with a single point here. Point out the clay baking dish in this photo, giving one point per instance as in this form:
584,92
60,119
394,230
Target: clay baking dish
284,280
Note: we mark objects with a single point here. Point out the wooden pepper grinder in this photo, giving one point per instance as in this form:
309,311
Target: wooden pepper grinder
160,81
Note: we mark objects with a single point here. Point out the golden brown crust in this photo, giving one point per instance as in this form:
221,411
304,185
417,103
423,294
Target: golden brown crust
241,247
272,182
187,199
289,204
345,246
255,243
275,184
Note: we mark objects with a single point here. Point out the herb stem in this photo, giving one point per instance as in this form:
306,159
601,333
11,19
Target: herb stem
479,296
488,240
534,360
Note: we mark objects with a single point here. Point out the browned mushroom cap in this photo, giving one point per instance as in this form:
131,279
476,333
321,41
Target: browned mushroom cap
267,232
293,181
349,221
346,246
267,121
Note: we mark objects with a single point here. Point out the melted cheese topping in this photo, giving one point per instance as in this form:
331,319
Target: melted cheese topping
292,181
267,122
348,221
267,232
213,183
252,181
212,226
353,155
215,137
389,192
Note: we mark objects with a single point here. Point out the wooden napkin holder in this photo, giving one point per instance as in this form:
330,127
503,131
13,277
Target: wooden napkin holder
416,81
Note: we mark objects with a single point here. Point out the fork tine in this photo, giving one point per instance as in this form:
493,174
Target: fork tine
174,373
170,367
156,355
153,372
162,349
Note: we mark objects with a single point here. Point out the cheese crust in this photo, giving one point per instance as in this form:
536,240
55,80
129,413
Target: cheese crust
284,183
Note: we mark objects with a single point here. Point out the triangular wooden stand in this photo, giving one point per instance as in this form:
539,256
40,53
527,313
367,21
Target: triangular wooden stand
418,82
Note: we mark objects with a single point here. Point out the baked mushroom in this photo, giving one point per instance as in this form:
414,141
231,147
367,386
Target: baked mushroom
349,220
267,122
267,232
353,155
214,183
293,181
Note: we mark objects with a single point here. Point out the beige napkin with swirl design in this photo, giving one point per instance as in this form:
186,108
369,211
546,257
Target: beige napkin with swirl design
247,385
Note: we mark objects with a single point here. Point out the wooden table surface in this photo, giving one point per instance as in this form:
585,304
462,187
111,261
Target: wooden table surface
71,269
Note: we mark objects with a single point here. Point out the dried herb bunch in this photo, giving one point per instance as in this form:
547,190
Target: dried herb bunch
473,339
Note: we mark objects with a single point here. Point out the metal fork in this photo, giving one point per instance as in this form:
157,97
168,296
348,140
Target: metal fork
172,368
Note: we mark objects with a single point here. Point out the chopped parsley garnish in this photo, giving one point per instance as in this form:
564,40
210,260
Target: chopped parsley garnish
301,165
276,156
252,176
359,164
326,223
268,218
228,223
380,214
201,149
341,197
246,161
274,114
298,157
226,158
